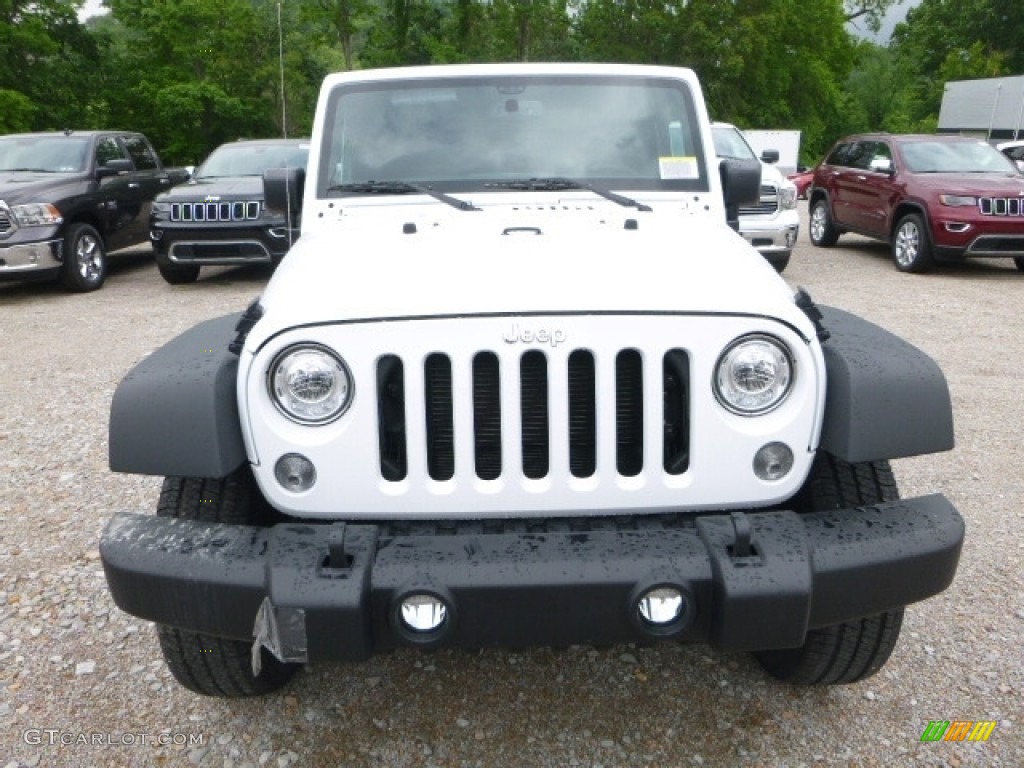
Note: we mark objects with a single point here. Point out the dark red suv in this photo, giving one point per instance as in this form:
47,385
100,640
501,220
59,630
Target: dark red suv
932,198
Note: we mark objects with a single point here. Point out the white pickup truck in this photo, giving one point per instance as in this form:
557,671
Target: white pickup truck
519,382
771,223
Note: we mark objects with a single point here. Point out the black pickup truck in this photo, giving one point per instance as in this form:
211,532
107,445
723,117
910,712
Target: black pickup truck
67,198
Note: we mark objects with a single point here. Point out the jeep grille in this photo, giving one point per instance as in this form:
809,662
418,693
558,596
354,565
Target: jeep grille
623,420
1000,206
767,204
6,222
246,210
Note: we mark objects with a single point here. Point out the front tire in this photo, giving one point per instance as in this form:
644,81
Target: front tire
1018,262
779,260
854,650
822,230
85,259
179,275
217,666
911,245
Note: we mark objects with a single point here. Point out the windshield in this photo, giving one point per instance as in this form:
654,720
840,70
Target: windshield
729,142
252,159
467,133
954,157
44,154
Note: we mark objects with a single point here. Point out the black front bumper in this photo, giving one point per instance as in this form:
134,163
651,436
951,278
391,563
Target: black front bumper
333,591
221,244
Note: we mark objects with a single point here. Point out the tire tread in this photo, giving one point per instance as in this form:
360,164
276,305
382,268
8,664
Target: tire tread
853,650
208,665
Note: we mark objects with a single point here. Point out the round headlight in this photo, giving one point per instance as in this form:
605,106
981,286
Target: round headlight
753,375
310,384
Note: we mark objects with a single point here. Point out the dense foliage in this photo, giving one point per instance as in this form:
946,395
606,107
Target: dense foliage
194,73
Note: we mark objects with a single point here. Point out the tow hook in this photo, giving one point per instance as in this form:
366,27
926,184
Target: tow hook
742,550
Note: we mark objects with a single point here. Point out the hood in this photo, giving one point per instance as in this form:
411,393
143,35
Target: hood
224,187
26,187
429,262
991,184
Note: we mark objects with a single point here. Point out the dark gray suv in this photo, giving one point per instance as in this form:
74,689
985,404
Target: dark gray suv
219,217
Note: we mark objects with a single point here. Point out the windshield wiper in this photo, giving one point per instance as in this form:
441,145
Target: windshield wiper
28,170
559,184
401,188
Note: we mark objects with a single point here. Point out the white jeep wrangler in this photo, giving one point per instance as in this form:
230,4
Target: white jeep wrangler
519,382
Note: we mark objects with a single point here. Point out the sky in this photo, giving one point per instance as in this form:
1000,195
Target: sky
91,8
896,14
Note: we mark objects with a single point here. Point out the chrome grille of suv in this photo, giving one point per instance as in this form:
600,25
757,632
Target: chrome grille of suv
1001,206
239,210
768,202
584,431
6,222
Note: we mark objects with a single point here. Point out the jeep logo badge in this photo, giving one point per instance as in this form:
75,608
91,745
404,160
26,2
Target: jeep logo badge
516,334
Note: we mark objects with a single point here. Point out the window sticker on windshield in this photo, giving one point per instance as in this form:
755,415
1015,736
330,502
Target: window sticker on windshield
678,167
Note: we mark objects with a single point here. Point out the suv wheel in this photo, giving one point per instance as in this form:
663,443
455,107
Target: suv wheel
779,260
216,666
823,231
179,275
911,245
1019,262
85,259
854,650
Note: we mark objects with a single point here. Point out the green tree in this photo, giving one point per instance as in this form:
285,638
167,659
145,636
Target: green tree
637,31
406,33
529,30
300,52
777,63
46,59
16,111
880,91
465,34
945,40
869,11
341,23
193,74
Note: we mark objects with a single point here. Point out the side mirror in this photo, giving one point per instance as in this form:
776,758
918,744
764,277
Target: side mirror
770,156
741,185
282,191
114,168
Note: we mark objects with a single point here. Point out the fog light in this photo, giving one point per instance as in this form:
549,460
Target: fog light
791,235
423,613
295,473
773,461
661,606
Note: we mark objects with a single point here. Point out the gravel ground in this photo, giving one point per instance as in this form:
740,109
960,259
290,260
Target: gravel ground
82,684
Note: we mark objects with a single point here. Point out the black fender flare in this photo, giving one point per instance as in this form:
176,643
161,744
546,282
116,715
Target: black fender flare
818,192
885,398
176,412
